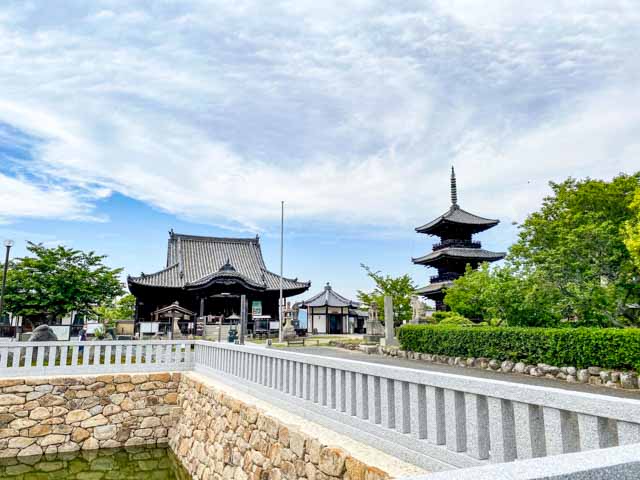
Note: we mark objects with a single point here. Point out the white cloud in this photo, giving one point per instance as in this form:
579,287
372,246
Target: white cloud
20,198
353,114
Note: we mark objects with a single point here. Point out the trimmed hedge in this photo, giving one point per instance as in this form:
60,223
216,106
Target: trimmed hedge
609,348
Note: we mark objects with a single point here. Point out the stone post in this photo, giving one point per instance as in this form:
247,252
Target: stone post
243,318
389,333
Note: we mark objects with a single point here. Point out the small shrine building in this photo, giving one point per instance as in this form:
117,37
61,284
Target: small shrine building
330,312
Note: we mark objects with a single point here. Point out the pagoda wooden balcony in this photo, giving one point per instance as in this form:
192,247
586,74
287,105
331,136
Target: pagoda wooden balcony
445,277
457,243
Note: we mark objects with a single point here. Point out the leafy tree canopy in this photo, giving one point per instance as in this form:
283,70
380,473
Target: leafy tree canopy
570,261
399,288
56,281
121,309
632,230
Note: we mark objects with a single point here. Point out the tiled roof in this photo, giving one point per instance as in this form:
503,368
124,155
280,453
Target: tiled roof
459,216
479,254
328,298
195,260
174,307
433,288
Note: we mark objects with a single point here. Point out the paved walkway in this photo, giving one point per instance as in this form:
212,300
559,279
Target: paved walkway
472,372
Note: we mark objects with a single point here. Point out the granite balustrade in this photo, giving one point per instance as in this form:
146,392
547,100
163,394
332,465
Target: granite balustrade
435,420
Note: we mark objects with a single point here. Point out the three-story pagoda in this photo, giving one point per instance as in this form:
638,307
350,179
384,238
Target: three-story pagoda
456,247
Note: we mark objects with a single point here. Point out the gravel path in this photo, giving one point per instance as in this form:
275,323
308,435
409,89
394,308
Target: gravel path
472,372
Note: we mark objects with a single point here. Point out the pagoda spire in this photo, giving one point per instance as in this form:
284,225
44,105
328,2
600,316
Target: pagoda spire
454,188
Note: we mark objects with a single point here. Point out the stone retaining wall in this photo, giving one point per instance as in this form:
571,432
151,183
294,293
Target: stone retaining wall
66,414
218,436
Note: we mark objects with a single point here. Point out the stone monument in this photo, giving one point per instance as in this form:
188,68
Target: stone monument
374,329
43,333
389,339
418,309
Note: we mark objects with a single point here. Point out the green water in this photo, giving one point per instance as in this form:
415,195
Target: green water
112,464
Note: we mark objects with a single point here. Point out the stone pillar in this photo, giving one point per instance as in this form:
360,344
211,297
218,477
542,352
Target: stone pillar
243,318
389,333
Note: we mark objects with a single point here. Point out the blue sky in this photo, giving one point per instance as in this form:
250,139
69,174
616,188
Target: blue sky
122,119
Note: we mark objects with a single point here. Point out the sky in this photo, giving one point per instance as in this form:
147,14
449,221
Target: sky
122,119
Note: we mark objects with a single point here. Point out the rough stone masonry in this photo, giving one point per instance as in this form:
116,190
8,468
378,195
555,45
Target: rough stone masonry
214,435
65,414
218,436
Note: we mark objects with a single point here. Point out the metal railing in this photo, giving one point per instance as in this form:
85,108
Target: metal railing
64,358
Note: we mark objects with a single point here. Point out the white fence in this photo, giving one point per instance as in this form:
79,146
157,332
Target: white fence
435,420
19,359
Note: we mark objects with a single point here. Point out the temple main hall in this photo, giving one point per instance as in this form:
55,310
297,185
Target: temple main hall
456,248
205,277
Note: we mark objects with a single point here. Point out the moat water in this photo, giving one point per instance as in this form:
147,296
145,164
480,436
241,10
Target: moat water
110,464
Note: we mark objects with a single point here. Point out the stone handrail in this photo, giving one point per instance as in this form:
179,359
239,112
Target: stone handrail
453,420
435,420
19,359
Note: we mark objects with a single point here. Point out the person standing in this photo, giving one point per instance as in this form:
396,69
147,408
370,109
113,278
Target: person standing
82,338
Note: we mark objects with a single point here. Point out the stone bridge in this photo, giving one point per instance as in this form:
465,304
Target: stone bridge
231,411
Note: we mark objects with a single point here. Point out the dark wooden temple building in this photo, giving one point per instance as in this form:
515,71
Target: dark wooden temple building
207,275
456,248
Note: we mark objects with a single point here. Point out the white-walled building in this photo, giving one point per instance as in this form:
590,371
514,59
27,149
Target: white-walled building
330,312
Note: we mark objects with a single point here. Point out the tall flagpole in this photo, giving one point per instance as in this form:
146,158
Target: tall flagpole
280,309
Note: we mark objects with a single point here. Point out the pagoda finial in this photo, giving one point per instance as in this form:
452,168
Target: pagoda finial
454,189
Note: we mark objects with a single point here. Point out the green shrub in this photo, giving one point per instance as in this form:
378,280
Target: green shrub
581,347
455,319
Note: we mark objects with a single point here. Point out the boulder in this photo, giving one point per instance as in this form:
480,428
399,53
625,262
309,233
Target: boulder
519,367
583,375
507,366
43,333
629,380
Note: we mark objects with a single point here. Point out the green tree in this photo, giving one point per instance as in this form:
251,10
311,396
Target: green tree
56,281
632,230
574,241
503,295
121,309
470,294
399,288
570,262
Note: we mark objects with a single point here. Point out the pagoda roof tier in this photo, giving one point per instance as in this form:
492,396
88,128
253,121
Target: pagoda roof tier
433,288
196,262
328,298
458,253
455,219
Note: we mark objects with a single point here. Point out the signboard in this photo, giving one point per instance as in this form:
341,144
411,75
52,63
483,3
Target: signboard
92,327
149,327
62,332
256,308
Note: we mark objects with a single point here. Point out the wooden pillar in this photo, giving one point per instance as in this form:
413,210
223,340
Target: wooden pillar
327,323
202,306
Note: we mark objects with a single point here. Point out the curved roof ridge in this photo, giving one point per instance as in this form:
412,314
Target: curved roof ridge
455,214
329,297
225,273
146,278
460,252
205,238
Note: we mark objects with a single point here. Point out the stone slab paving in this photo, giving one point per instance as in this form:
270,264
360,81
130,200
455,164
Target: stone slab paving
472,372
